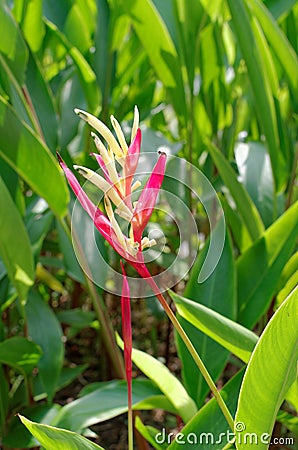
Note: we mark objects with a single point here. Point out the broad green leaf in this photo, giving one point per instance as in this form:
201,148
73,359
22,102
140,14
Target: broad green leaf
12,44
256,175
71,263
17,436
165,380
245,25
49,338
208,430
32,24
43,103
278,41
52,438
260,266
269,374
103,404
156,39
13,91
85,72
217,293
31,159
229,334
20,353
16,253
245,205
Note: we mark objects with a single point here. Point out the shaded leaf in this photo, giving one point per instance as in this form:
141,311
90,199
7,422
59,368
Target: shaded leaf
20,353
16,253
245,206
218,293
260,266
49,338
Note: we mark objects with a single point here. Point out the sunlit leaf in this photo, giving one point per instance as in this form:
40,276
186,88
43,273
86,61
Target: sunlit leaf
269,374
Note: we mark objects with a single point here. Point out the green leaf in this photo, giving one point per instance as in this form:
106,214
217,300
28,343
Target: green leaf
229,334
49,338
85,72
149,433
165,380
43,103
279,7
245,205
218,293
269,374
17,436
20,353
52,438
32,24
288,279
12,44
106,402
16,253
278,42
208,430
156,39
260,266
31,159
256,175
247,28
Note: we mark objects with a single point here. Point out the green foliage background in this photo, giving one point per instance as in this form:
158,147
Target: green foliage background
215,81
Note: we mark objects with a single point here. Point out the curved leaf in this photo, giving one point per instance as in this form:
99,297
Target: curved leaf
217,293
270,373
156,39
31,159
105,402
20,353
208,430
259,268
246,29
52,438
278,41
166,381
229,334
245,205
16,253
49,338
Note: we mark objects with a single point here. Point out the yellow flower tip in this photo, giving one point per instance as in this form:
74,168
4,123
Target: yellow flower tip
120,135
135,125
82,114
82,170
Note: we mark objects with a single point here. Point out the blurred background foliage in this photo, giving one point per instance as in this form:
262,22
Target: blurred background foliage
217,84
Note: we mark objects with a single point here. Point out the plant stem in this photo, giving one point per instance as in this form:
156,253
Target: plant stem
193,353
130,427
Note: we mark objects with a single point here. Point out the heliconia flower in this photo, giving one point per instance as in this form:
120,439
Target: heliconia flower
117,188
127,339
